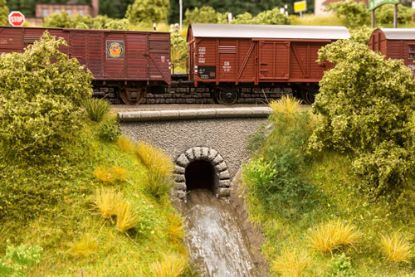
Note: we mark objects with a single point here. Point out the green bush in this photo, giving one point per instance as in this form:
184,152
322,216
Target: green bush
178,51
354,14
361,34
384,14
367,104
157,185
64,20
109,130
274,176
273,16
96,108
41,91
205,14
19,259
341,266
4,11
148,11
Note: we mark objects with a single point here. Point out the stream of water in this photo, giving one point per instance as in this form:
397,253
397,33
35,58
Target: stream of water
214,238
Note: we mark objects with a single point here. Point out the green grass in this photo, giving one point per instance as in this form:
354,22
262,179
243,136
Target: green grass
61,223
338,198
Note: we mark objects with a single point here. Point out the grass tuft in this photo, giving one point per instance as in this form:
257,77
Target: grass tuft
170,266
125,144
111,175
154,159
175,230
96,108
396,248
291,263
333,235
286,105
84,247
126,217
107,201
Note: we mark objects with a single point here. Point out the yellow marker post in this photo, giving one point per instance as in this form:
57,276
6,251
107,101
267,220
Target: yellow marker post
300,7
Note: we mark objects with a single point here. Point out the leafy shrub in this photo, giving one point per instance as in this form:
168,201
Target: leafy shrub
205,14
109,130
341,266
154,159
171,266
86,246
19,259
384,14
256,140
274,177
111,175
64,20
4,12
291,263
273,16
41,91
125,144
178,51
333,235
396,248
149,11
353,14
96,108
126,216
366,106
107,201
361,34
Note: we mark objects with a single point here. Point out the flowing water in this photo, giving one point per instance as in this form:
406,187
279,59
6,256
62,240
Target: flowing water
214,238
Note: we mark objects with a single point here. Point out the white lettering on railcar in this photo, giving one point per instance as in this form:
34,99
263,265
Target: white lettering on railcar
202,53
226,66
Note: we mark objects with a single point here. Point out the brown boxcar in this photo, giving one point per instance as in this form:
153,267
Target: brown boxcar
257,55
395,44
123,62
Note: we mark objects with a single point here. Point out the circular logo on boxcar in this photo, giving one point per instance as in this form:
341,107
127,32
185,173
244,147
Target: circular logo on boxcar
115,49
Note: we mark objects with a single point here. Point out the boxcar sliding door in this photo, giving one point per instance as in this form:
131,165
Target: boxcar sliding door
274,60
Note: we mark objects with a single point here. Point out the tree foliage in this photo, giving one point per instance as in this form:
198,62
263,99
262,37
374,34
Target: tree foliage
41,91
367,105
64,20
4,11
384,14
354,14
178,51
148,11
205,14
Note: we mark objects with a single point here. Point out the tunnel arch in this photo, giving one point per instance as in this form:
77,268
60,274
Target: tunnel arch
201,167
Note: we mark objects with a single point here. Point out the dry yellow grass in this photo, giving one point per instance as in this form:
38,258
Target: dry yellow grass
291,263
126,217
84,247
286,105
125,144
171,266
154,159
396,248
175,228
333,235
107,201
111,175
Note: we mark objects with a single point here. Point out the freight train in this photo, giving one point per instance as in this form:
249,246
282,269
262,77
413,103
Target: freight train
227,63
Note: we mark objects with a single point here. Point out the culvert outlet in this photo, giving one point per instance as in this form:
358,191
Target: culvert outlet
201,168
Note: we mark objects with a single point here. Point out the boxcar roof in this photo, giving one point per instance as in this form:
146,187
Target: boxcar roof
398,34
268,31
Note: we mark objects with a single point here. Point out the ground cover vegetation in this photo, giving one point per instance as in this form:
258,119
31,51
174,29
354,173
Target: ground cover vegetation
333,188
74,197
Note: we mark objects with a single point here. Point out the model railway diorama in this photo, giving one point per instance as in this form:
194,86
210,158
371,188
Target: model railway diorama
227,63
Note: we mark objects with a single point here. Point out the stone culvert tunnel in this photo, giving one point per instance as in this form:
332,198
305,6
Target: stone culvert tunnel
201,168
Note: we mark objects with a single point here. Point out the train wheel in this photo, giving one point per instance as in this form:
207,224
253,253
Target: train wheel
132,96
226,96
308,97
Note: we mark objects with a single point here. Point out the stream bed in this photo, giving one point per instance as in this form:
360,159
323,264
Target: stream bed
216,243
